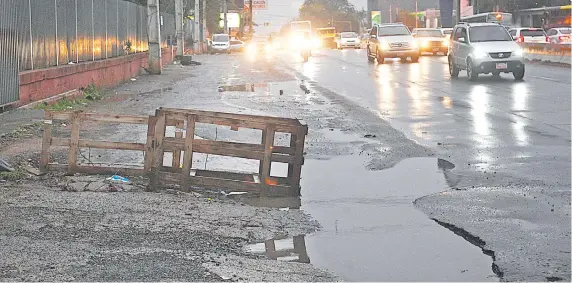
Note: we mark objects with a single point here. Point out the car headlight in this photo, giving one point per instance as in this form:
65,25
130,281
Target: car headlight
479,54
518,52
415,44
425,43
251,48
446,42
385,45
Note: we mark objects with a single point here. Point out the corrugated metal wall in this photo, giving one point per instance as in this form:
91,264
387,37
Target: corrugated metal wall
37,34
9,86
58,32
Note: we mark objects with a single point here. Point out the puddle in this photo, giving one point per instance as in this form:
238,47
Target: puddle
291,249
339,136
372,232
370,229
244,87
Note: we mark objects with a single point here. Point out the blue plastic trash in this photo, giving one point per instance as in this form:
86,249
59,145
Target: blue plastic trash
118,179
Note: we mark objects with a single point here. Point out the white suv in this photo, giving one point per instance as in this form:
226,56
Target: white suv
484,48
391,41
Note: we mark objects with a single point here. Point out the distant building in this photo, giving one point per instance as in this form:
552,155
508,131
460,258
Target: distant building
384,6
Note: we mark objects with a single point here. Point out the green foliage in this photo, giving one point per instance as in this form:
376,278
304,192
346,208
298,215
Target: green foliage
321,13
15,175
90,93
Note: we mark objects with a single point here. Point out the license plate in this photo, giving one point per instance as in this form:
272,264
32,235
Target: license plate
400,53
502,66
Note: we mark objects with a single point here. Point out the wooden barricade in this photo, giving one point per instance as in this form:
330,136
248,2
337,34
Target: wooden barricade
75,143
266,152
184,145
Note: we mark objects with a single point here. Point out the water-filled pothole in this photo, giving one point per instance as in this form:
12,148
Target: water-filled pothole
370,229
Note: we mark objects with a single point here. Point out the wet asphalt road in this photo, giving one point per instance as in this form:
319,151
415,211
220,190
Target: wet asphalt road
509,142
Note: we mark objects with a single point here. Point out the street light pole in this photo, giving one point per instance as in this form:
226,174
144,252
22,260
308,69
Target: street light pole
179,27
225,11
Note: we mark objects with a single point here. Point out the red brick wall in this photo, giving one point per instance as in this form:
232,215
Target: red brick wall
43,83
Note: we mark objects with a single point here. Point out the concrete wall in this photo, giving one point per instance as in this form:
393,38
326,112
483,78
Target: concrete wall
44,83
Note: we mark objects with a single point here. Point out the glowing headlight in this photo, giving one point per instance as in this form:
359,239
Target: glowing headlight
479,54
316,43
446,42
518,53
385,45
268,48
415,44
251,48
425,43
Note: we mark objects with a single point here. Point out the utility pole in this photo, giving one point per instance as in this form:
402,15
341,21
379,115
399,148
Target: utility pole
416,13
155,65
179,27
204,29
196,35
390,13
225,11
251,30
458,11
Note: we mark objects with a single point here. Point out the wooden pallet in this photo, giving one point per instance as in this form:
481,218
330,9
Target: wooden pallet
184,145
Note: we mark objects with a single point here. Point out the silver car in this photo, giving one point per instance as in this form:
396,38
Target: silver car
483,48
392,41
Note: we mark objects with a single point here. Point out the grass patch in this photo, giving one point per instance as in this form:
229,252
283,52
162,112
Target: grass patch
16,175
90,93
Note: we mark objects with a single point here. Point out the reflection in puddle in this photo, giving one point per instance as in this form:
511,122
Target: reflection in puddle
292,249
371,230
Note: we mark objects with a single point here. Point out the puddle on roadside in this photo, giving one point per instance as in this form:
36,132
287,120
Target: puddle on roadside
371,230
291,249
340,136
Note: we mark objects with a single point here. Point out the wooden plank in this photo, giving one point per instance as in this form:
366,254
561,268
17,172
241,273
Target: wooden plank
231,149
74,142
270,247
300,249
158,152
236,123
111,118
176,162
262,143
296,170
100,144
46,142
61,115
188,155
243,117
149,143
267,161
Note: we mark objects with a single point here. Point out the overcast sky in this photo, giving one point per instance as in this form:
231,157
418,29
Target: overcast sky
280,12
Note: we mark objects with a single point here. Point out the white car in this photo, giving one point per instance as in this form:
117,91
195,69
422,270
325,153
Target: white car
348,39
559,35
220,43
447,31
529,35
237,45
392,41
431,40
484,48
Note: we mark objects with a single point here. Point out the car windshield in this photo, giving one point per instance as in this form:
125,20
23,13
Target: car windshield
221,38
532,32
489,33
392,31
565,31
429,33
349,34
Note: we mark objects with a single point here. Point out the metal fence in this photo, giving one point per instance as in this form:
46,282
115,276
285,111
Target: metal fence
9,85
36,34
57,32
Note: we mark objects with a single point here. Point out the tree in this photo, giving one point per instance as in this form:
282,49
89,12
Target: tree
322,12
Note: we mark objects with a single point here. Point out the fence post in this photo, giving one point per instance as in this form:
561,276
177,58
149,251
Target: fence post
267,161
158,149
31,37
188,155
74,142
46,142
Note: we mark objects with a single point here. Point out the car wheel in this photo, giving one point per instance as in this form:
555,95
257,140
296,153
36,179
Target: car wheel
471,72
380,58
453,69
415,58
519,75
